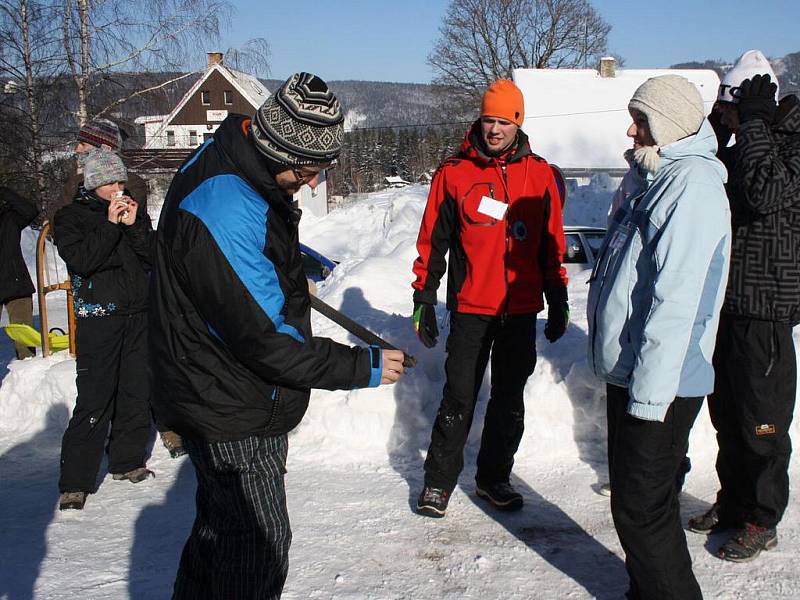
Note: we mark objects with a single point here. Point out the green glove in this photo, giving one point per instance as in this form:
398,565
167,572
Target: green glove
425,323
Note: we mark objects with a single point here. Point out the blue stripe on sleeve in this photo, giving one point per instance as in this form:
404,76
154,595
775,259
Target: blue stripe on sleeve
376,366
236,216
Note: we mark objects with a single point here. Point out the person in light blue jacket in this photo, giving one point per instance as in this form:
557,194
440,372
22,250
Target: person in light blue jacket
653,310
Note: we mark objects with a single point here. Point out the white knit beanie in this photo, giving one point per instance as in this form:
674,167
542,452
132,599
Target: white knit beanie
672,105
750,64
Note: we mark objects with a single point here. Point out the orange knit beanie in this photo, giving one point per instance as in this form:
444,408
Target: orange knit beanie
503,100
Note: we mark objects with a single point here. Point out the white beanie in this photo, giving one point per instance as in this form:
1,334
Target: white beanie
672,105
750,64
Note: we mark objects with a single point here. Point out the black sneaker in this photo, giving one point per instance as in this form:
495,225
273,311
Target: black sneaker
748,543
501,495
432,502
708,522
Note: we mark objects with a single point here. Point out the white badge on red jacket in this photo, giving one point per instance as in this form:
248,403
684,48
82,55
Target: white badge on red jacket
492,208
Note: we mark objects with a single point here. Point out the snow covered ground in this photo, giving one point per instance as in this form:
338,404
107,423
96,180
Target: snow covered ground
355,468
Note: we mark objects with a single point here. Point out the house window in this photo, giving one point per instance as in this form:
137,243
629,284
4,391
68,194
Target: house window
205,98
193,138
228,97
170,138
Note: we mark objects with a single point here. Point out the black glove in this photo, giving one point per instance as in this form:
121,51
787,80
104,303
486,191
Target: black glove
757,99
557,313
722,132
425,323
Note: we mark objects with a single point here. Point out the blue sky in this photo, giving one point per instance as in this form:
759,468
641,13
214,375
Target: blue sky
389,41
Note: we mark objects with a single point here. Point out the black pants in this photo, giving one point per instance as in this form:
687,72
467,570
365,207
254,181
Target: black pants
113,390
239,545
643,461
751,409
511,340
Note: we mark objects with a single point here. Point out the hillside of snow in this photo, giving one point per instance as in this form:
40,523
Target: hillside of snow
355,466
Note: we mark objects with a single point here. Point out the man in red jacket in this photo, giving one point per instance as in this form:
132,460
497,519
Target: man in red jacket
494,208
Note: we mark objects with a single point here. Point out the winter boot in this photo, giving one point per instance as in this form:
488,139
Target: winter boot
71,501
501,495
172,442
748,543
708,522
432,502
135,476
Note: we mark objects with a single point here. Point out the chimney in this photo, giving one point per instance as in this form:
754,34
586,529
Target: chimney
214,58
608,67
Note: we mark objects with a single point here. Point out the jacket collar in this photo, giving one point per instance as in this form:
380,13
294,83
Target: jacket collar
234,142
474,148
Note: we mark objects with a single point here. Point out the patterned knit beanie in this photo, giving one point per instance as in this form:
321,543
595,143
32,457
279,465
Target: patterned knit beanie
101,131
672,105
503,99
102,167
300,124
750,64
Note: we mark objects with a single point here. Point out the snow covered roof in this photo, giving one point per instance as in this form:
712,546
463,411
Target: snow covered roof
577,119
247,85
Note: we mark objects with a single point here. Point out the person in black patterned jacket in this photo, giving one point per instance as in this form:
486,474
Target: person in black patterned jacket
756,373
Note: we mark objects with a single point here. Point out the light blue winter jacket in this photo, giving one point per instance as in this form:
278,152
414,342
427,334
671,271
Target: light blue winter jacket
659,282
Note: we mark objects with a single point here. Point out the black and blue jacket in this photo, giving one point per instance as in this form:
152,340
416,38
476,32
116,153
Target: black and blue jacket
109,263
231,349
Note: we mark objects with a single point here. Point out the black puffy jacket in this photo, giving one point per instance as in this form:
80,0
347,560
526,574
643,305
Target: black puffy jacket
16,214
109,263
764,191
231,349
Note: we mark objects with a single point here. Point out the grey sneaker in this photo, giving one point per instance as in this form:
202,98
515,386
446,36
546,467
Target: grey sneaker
135,476
748,543
432,502
71,501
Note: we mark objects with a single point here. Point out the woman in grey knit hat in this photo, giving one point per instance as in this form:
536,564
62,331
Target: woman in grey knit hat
105,242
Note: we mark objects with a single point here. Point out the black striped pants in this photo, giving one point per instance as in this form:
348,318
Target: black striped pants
240,540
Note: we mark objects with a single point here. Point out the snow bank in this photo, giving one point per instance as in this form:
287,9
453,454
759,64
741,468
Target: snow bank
375,242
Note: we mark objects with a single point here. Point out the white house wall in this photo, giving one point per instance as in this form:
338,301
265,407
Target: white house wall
577,119
155,140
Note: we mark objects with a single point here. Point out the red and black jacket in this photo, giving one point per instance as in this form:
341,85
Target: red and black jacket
496,266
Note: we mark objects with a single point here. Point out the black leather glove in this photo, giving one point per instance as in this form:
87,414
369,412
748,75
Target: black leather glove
557,313
425,323
757,99
722,132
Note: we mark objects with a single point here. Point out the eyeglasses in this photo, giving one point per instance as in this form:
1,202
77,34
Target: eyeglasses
305,174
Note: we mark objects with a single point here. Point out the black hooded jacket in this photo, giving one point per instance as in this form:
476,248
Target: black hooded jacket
16,214
764,192
109,263
231,348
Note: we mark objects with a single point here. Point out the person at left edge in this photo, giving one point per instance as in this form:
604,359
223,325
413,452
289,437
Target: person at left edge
16,287
232,352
